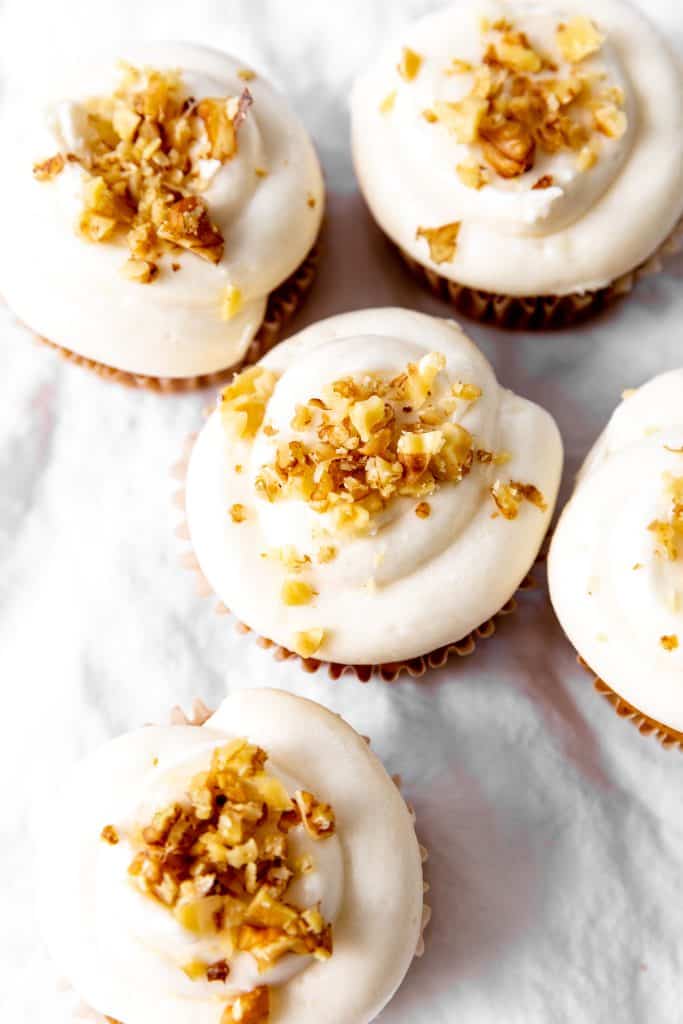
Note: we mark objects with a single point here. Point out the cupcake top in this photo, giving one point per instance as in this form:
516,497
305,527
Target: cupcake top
523,148
616,561
368,492
163,193
250,870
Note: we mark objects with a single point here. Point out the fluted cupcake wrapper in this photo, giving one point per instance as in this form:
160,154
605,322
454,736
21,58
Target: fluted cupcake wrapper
388,671
198,714
539,312
668,737
282,304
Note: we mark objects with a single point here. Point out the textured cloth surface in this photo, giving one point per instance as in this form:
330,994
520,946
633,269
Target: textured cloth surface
555,830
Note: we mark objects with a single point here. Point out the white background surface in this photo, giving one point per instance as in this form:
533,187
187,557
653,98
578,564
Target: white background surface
555,829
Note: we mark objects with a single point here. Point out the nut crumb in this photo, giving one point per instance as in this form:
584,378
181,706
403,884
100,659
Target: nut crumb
669,643
238,513
109,835
423,510
410,64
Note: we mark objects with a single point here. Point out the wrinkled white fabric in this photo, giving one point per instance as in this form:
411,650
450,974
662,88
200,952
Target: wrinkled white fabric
554,828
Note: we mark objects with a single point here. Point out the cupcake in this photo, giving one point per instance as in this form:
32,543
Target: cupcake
526,160
166,208
252,870
368,494
616,561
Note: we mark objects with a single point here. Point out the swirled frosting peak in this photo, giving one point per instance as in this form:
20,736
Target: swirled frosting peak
616,561
490,137
369,464
199,880
165,196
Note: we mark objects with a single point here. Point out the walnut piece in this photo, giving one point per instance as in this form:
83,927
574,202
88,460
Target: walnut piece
410,64
578,39
249,1007
109,835
442,241
669,643
49,169
308,642
243,402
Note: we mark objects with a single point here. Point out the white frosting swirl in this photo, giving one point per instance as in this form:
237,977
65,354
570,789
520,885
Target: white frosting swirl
73,292
123,954
616,592
586,229
410,585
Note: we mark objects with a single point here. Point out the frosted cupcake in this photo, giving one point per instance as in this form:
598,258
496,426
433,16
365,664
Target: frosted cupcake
526,160
165,210
233,872
616,560
368,494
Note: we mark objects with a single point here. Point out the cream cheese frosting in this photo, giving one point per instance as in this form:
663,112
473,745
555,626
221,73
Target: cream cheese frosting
267,202
123,953
579,217
405,585
616,560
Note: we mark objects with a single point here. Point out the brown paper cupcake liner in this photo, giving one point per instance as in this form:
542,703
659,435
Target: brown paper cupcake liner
389,671
539,312
668,737
198,714
281,307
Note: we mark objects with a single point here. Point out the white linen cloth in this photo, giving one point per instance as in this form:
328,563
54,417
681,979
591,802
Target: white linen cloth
555,830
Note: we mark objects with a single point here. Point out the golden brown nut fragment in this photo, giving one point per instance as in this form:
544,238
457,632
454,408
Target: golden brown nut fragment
318,818
187,224
508,147
109,835
238,513
49,169
669,643
442,241
410,64
249,1007
509,497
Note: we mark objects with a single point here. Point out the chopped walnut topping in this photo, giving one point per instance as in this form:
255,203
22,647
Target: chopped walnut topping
308,642
49,169
669,643
369,440
410,64
109,835
423,510
442,241
249,1007
238,513
243,402
220,862
146,149
509,497
578,39
246,74
518,105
